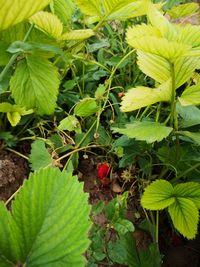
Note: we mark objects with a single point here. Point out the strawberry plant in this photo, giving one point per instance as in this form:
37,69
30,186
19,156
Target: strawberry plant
66,66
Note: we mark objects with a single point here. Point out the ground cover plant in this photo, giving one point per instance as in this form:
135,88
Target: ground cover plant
101,97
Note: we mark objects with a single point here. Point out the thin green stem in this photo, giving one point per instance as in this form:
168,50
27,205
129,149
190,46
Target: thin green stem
157,226
186,172
17,153
173,97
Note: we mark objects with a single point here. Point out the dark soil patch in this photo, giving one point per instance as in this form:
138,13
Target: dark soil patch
13,170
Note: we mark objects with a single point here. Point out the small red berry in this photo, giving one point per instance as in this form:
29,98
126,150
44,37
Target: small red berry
103,170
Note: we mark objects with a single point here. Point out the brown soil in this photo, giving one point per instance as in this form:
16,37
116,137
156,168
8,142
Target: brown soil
13,170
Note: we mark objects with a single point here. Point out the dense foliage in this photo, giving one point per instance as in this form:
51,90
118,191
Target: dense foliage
118,79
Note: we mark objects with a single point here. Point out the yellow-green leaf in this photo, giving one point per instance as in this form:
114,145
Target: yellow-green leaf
154,66
89,7
183,10
158,46
15,11
185,216
141,96
160,22
14,118
158,195
48,23
77,34
191,96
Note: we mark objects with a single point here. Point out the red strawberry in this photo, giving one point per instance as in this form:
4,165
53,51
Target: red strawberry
103,170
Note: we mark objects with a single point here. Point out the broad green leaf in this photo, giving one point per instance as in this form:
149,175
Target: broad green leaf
158,195
190,115
9,248
124,251
56,204
190,190
142,96
183,10
70,123
39,157
48,22
145,131
191,96
86,107
184,215
158,46
123,226
194,136
77,34
35,84
15,11
4,55
64,9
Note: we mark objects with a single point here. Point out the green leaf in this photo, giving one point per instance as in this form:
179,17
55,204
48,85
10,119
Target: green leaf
184,215
158,195
14,112
142,96
190,191
112,9
77,34
4,55
39,157
183,10
190,115
145,131
194,136
70,123
4,262
154,66
86,107
123,226
9,248
89,7
56,204
158,46
191,96
13,11
64,9
35,84
48,22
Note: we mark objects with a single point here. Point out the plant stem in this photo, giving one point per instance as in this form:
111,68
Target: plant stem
173,99
17,153
11,197
157,226
14,57
186,172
